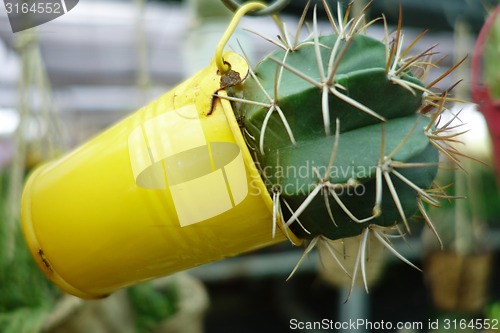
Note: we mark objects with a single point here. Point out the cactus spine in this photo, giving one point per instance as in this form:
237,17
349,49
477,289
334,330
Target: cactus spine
346,134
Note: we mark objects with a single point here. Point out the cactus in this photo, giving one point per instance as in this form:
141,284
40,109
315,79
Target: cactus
346,134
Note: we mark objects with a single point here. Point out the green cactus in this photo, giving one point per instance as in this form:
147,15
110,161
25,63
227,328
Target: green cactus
346,133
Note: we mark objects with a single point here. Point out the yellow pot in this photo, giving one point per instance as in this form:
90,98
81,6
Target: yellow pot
166,189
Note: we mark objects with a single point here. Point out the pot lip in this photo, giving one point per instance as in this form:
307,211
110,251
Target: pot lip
247,157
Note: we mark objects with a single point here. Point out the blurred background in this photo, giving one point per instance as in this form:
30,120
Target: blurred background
67,80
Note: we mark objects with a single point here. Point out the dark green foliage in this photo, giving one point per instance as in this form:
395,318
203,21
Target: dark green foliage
26,295
151,305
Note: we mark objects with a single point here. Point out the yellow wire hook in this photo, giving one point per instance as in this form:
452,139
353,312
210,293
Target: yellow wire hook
224,67
273,8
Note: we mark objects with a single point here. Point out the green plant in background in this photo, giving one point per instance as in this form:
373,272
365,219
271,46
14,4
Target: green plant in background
26,296
493,311
491,53
486,77
346,133
151,305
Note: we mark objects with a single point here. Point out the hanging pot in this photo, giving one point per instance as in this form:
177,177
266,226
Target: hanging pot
169,188
457,282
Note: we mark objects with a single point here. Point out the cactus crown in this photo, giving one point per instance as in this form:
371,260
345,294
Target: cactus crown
346,133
